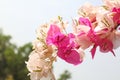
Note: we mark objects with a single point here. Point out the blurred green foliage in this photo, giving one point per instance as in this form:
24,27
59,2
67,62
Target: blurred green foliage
12,59
65,75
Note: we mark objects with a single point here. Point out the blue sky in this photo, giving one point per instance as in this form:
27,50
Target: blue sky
20,19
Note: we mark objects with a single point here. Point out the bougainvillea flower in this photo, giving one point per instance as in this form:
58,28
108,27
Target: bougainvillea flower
88,10
38,67
65,45
61,40
69,54
111,3
84,21
52,33
57,38
93,50
96,27
95,40
116,17
106,46
83,41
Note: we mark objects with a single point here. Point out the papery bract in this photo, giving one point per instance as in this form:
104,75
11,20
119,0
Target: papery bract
61,40
88,10
111,3
106,46
116,17
65,45
93,50
83,41
84,21
52,33
69,55
68,52
95,40
38,67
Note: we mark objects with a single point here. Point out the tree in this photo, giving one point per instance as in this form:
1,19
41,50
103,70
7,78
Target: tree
20,73
4,46
65,76
12,59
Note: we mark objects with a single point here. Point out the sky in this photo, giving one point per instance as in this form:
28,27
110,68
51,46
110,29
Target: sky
20,19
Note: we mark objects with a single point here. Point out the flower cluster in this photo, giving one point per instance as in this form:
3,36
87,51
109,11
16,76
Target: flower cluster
95,27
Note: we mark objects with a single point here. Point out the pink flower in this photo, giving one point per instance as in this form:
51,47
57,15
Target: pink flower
55,37
116,17
69,54
95,39
61,40
82,39
106,46
52,33
64,43
84,21
93,50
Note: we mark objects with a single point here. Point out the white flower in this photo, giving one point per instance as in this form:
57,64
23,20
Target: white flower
112,3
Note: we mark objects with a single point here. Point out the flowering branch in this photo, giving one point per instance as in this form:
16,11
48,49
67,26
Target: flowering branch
96,27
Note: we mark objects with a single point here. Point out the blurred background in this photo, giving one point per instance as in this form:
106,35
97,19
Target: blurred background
18,21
